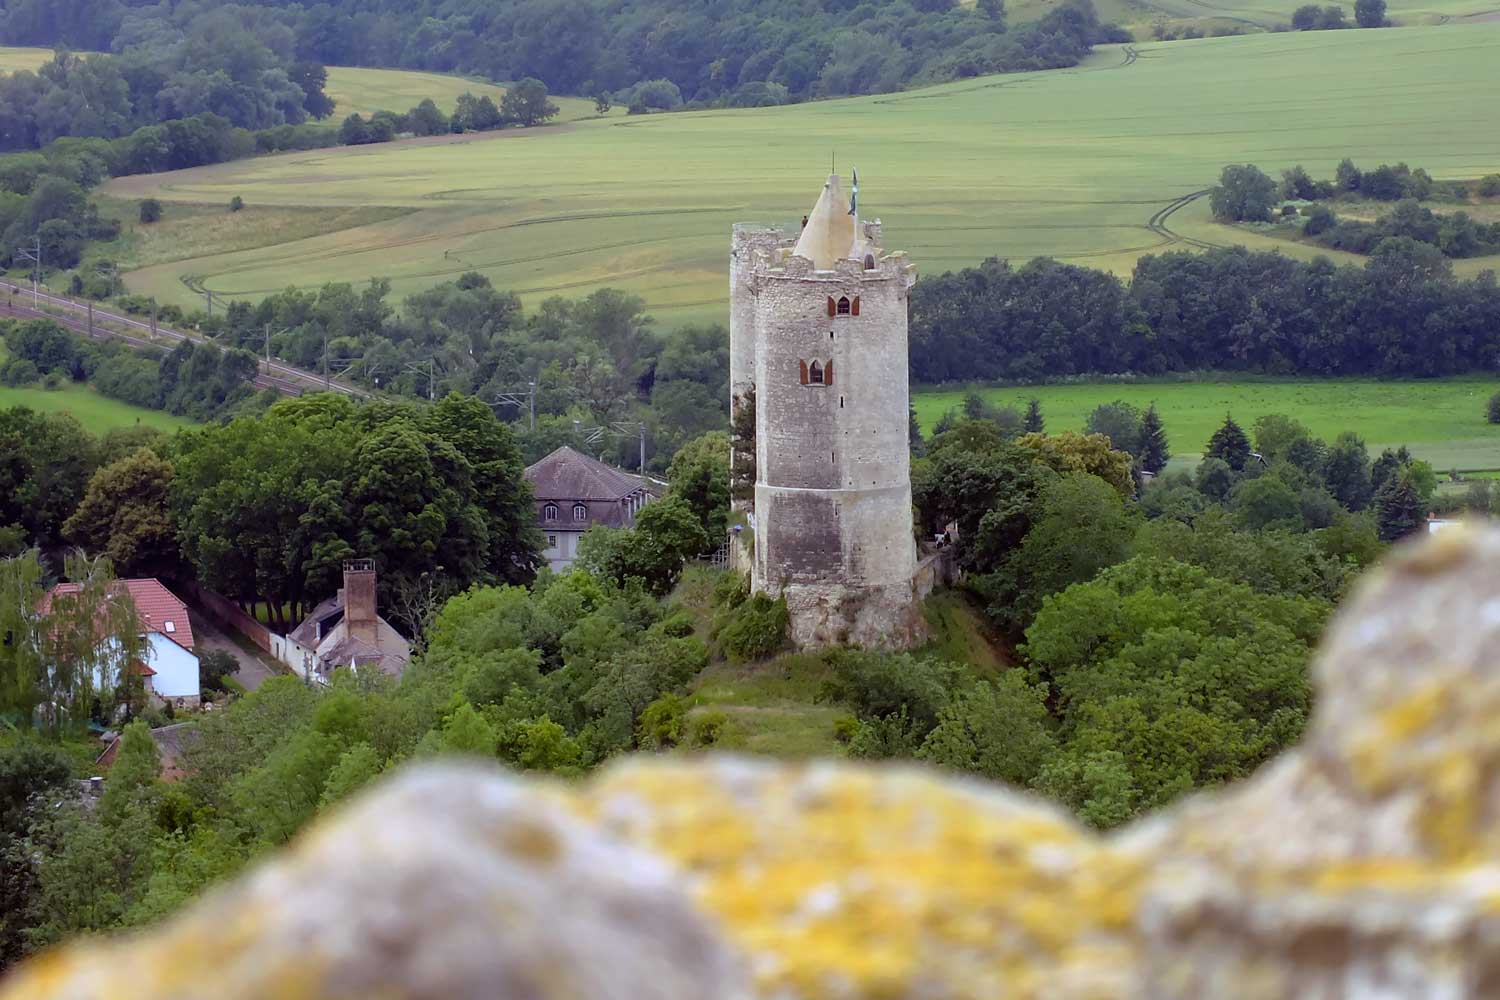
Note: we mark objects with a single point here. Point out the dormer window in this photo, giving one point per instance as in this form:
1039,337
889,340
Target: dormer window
549,512
580,512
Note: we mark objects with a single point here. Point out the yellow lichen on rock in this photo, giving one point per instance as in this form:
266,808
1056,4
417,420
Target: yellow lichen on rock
841,881
1365,862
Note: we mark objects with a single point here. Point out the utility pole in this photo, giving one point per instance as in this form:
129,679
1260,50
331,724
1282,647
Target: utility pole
325,359
33,253
208,294
515,397
431,369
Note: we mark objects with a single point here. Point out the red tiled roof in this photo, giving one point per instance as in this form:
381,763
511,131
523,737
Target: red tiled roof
159,609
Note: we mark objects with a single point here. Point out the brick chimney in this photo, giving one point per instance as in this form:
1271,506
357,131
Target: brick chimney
360,620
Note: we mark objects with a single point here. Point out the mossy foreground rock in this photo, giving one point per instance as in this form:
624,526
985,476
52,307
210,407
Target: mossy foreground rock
1365,863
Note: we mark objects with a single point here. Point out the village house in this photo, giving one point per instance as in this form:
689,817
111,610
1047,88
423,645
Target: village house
347,631
575,492
168,665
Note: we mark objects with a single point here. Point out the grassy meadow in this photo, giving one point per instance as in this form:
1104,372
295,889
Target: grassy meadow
96,413
1441,420
1068,163
1140,16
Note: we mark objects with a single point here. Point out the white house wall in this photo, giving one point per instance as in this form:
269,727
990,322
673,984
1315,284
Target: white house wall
176,668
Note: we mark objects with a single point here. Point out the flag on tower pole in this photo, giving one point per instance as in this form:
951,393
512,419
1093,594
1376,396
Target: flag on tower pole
854,192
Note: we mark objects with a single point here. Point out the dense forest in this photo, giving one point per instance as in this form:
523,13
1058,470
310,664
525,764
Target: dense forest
1403,313
744,53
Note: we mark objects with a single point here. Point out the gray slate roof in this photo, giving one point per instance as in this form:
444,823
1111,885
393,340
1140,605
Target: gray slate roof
567,474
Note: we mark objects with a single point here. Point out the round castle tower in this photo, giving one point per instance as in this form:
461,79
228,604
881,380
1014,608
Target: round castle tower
818,331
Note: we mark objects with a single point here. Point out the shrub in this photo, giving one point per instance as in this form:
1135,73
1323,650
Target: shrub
756,630
19,371
1493,412
705,730
215,667
150,210
661,723
236,203
1320,218
1489,185
845,728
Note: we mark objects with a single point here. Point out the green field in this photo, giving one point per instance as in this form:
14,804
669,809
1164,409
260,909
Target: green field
1248,15
1069,163
14,59
96,413
356,89
1441,420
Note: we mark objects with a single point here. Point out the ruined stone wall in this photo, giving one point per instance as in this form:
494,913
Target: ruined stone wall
1364,863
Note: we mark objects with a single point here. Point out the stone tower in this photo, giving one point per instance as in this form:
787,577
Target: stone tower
818,342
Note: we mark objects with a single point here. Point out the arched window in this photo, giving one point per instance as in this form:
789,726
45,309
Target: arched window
550,512
869,262
580,512
844,306
815,373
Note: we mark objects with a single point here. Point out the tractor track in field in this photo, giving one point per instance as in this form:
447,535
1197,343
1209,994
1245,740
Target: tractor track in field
1158,222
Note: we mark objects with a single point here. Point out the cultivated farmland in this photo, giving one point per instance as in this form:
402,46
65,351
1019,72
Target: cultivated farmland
1094,165
1441,420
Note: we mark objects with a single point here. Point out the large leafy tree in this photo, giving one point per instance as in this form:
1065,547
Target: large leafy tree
269,506
666,534
45,464
699,474
1244,194
126,514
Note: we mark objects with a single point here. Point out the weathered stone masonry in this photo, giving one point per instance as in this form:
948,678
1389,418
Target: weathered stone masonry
818,326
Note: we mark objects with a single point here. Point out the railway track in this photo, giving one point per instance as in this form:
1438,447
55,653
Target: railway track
102,324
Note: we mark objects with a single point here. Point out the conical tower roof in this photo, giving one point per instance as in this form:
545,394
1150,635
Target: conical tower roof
829,233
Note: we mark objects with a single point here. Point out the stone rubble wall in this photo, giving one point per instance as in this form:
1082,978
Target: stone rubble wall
1363,863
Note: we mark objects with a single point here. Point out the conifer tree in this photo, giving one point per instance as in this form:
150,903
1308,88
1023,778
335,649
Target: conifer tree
1230,444
1399,510
1034,423
1154,452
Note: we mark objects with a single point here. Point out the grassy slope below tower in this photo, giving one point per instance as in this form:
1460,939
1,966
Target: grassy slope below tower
776,707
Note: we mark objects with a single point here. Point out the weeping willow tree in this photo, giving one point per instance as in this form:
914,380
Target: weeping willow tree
71,655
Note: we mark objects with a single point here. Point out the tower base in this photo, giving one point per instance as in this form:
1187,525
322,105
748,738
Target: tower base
887,617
